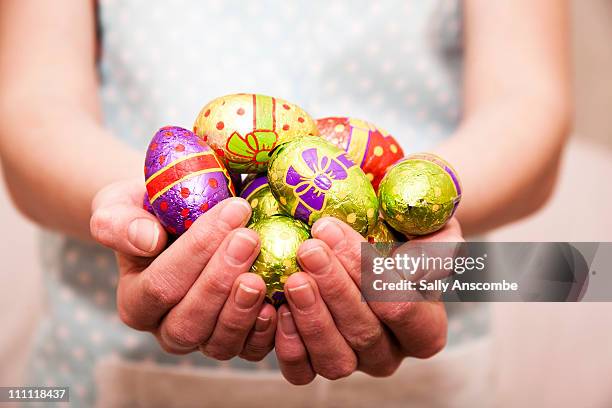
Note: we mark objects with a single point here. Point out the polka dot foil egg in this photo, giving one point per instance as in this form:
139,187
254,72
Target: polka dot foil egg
419,194
244,128
371,147
311,178
184,178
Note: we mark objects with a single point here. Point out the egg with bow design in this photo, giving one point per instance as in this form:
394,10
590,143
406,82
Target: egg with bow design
244,128
312,178
369,146
184,178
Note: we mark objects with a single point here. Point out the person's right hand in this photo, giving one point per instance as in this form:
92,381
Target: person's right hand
195,294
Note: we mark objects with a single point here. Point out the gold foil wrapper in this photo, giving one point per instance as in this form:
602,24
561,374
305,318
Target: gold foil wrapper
419,194
381,233
258,195
244,128
280,237
311,178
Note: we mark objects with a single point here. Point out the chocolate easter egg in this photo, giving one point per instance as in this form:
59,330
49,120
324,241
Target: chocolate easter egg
184,178
244,128
369,146
257,193
146,204
280,237
312,178
381,233
419,194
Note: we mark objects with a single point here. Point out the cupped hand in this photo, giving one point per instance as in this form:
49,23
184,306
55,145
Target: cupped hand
327,329
196,293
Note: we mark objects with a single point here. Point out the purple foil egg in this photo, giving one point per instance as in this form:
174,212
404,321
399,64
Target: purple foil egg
146,203
184,178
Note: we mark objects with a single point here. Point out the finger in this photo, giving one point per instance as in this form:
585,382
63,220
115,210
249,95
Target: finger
123,225
290,350
143,298
354,319
261,339
330,355
192,321
378,354
420,327
237,318
344,242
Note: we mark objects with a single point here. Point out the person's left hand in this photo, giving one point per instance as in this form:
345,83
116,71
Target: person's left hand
327,329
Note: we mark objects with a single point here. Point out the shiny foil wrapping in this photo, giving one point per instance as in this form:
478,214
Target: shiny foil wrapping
381,233
419,194
369,146
184,178
257,192
243,128
146,203
312,178
280,237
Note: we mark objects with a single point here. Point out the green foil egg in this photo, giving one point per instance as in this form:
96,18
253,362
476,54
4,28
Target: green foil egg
311,178
257,192
381,233
419,194
280,237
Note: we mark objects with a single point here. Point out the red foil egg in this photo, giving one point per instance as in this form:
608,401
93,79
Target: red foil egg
367,145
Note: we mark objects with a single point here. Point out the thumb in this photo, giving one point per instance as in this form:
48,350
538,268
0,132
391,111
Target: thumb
125,226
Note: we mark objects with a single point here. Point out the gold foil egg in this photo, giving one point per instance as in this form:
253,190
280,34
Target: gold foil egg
244,128
419,194
257,193
281,237
312,178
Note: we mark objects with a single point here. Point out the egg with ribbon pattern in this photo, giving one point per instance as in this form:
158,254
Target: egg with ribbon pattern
280,237
257,193
244,128
369,146
184,178
312,178
419,194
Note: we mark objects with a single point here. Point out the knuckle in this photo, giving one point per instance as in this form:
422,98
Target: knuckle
128,318
218,353
383,370
254,352
397,312
303,377
291,357
313,328
366,338
182,335
219,283
201,240
431,348
159,292
100,226
235,325
337,371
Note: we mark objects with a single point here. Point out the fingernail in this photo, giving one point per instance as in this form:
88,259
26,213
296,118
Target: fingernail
143,234
287,324
246,297
302,296
236,213
315,260
240,248
262,324
328,232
